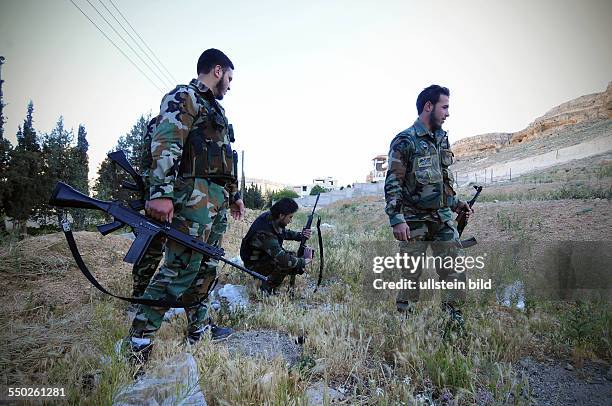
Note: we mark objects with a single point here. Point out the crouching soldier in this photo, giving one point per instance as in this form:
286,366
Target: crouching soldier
262,247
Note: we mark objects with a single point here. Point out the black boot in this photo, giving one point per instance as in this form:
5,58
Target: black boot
217,333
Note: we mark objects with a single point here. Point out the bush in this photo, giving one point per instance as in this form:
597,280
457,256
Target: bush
318,189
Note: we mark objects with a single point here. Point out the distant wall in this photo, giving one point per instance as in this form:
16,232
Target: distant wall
358,190
510,170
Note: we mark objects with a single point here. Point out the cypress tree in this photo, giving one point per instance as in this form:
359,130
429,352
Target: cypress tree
59,161
80,178
110,176
25,183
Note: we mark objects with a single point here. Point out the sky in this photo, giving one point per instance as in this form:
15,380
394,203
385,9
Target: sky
320,87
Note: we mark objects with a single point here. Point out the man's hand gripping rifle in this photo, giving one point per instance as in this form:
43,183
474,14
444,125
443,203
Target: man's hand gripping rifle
462,220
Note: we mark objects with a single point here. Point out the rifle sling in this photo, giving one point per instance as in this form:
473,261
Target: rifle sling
81,264
321,257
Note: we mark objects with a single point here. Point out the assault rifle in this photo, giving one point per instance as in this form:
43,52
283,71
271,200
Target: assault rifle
300,251
462,220
144,228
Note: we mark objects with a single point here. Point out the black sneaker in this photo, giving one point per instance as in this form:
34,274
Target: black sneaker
405,308
217,333
267,289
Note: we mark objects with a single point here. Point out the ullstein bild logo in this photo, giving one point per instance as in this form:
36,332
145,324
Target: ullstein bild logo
429,284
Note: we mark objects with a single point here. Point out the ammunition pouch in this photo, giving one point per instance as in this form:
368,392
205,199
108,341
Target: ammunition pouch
207,153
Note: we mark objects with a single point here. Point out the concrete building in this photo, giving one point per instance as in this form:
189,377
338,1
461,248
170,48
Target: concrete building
265,185
379,169
326,182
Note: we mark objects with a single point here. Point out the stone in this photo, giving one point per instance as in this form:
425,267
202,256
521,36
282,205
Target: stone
318,393
174,382
609,374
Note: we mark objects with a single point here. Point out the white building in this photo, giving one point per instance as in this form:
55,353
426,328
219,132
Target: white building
326,182
379,169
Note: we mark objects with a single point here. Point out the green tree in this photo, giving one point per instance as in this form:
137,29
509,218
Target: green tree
5,152
59,162
253,198
258,198
80,162
318,189
110,176
25,183
275,196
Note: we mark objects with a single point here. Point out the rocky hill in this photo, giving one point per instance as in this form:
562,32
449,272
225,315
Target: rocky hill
481,144
589,108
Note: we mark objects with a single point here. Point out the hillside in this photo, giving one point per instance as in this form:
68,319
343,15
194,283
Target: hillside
553,130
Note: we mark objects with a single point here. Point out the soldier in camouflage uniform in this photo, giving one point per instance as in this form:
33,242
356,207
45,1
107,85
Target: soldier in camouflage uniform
143,271
419,194
192,180
262,247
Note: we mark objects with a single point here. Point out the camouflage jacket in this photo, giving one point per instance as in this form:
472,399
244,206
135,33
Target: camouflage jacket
419,183
263,243
191,137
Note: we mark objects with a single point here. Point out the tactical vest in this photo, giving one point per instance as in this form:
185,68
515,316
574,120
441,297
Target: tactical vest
261,223
208,153
429,181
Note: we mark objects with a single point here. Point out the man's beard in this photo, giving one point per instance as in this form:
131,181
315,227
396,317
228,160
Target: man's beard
219,88
434,122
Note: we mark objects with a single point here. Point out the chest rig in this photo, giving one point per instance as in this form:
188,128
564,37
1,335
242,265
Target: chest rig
429,181
208,153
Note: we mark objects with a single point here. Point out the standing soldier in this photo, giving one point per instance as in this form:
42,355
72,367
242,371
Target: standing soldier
192,181
262,247
419,195
143,271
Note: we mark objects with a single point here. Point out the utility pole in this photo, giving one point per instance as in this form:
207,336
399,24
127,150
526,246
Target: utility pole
242,181
1,101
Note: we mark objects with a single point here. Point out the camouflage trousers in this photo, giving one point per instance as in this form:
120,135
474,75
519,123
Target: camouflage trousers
276,274
143,271
200,209
443,239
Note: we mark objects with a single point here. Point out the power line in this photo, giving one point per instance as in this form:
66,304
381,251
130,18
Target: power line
126,43
166,77
115,45
143,41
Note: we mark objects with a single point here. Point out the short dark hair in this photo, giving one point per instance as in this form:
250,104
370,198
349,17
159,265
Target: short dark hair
211,58
284,206
430,94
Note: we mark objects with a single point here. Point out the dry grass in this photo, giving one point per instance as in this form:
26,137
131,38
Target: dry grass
56,329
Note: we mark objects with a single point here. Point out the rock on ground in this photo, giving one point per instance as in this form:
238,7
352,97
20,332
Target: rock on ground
319,392
175,382
267,344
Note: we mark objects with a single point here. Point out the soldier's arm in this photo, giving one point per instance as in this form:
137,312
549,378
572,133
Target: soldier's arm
177,113
398,160
282,259
452,200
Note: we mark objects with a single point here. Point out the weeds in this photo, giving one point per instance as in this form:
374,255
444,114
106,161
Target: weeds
361,347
